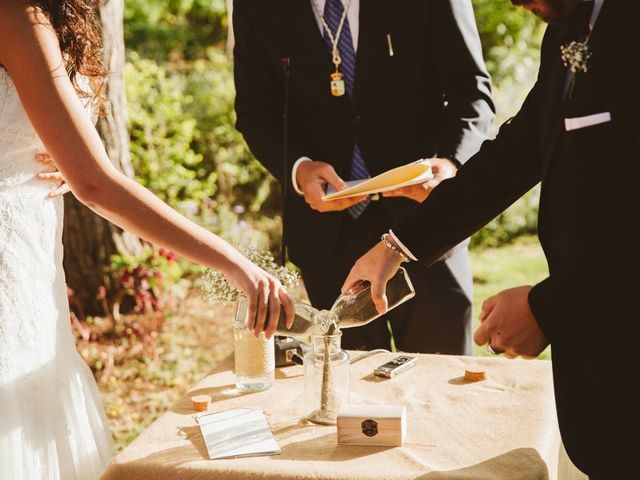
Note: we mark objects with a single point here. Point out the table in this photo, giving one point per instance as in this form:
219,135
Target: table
501,428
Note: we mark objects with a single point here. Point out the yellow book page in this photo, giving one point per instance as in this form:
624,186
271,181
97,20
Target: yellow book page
410,174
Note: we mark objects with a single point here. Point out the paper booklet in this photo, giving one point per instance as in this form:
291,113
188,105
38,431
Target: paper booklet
404,176
238,432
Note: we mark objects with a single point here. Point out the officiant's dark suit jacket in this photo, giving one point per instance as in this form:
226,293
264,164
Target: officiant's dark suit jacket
432,97
588,223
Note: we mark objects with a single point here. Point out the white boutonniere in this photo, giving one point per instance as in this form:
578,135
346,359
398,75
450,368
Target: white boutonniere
576,55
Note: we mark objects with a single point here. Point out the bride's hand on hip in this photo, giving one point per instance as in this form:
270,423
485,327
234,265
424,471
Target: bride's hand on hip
52,174
265,296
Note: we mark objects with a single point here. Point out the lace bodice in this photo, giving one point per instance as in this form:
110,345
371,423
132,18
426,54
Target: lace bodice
53,426
28,232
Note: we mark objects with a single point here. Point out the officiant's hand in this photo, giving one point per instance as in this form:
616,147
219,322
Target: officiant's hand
377,266
508,325
312,178
52,174
442,169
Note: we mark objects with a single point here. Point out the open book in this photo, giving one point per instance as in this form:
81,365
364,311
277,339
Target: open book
404,176
239,432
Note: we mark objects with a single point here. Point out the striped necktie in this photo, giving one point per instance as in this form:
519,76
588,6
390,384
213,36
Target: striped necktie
333,11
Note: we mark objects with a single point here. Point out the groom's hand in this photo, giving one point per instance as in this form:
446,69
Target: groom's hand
51,174
508,325
377,266
441,168
312,178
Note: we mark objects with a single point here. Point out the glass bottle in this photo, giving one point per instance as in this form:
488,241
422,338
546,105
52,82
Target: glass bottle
352,309
254,356
326,379
356,308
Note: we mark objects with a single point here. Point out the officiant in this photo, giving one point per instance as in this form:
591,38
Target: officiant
578,133
368,86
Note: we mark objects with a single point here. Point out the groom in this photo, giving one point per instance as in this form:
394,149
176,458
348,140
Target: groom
579,133
415,86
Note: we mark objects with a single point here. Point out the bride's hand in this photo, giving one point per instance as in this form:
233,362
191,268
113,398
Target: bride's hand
52,174
265,295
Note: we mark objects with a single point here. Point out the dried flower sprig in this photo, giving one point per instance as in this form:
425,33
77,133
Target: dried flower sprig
576,55
216,288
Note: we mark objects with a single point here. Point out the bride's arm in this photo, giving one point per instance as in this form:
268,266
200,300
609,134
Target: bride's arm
30,51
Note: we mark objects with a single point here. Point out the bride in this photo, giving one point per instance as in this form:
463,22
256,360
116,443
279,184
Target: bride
52,425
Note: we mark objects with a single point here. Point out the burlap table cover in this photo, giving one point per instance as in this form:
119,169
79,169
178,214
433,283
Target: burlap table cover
502,428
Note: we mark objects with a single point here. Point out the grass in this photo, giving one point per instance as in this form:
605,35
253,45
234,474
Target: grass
494,270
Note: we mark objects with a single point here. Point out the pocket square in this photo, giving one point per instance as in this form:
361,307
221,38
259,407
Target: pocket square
588,121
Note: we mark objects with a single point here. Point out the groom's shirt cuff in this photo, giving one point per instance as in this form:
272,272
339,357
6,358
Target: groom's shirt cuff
404,249
294,182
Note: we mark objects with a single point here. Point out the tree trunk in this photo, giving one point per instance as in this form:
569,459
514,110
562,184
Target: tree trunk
89,240
230,36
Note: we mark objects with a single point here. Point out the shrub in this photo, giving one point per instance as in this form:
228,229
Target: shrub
184,145
174,28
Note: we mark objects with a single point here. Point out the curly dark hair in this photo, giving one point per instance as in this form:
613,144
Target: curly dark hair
78,29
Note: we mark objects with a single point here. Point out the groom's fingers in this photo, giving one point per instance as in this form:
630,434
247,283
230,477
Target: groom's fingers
483,334
379,295
352,279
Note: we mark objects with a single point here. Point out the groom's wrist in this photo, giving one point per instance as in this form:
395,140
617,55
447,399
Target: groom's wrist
403,248
392,246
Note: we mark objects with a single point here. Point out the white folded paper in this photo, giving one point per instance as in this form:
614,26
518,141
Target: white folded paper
239,432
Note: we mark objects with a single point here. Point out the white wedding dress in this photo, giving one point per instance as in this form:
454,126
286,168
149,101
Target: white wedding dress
52,424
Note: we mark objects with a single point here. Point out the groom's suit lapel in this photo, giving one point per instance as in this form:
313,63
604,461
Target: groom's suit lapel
553,111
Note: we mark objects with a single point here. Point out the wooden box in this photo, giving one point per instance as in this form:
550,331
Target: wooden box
384,425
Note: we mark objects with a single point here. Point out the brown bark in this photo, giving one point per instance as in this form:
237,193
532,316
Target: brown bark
89,240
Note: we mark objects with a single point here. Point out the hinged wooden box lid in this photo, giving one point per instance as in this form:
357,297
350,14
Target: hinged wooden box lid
372,425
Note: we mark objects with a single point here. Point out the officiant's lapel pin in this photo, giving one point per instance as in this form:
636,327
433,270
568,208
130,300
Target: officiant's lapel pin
390,44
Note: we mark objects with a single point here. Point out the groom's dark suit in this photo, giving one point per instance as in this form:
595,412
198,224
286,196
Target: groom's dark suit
431,97
589,214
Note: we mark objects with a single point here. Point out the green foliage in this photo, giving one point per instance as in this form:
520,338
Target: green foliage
510,39
520,219
162,134
183,141
146,278
174,28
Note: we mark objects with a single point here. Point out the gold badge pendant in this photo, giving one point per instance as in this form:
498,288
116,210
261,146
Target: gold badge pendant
338,88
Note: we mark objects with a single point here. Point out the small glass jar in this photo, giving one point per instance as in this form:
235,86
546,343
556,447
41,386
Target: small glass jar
326,378
254,356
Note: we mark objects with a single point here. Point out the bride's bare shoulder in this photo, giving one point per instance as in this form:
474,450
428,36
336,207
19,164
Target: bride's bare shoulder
18,18
21,22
